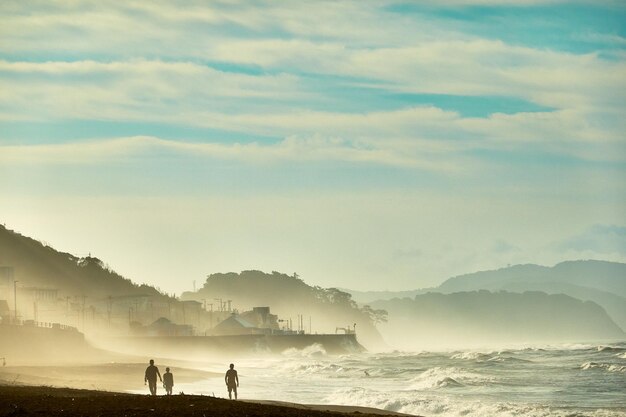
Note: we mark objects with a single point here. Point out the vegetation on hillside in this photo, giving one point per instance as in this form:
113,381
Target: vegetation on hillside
37,264
479,317
289,296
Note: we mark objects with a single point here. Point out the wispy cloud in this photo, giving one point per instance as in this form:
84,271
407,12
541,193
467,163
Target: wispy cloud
303,149
264,97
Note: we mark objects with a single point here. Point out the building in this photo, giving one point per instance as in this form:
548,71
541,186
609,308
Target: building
163,327
261,317
235,325
257,321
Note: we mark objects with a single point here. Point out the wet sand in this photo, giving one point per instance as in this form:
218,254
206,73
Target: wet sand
53,402
118,377
102,390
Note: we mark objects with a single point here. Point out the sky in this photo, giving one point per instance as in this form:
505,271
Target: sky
361,144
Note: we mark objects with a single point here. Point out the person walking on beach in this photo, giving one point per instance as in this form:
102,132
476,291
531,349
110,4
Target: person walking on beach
168,381
151,375
232,381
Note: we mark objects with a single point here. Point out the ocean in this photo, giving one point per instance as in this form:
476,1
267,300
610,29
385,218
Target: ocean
566,380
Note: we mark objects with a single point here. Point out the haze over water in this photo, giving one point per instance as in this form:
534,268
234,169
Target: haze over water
567,380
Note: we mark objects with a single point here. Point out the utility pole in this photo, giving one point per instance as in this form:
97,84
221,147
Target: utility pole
15,297
229,301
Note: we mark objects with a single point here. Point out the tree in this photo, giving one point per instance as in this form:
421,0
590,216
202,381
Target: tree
375,316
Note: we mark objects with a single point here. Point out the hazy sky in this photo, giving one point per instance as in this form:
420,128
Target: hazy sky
365,144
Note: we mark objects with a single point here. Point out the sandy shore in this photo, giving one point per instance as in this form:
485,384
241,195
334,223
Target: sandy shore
102,390
117,377
53,402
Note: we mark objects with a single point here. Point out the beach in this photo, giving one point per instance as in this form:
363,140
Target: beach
48,401
114,377
113,389
585,380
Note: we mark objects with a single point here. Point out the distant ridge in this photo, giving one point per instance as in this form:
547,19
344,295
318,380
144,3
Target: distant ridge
599,281
36,264
473,318
599,275
365,297
602,282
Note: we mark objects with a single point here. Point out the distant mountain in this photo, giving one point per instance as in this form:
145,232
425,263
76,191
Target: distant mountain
614,305
37,265
482,318
289,297
365,297
599,275
601,282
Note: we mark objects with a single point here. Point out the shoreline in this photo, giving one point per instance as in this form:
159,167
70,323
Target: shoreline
24,400
119,377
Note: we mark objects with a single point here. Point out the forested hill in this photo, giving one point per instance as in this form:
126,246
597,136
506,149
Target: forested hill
483,317
289,296
599,281
602,282
38,265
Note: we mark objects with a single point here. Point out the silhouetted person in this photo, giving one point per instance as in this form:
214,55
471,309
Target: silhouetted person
151,375
232,381
168,381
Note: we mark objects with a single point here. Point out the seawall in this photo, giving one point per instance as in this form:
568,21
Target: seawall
168,346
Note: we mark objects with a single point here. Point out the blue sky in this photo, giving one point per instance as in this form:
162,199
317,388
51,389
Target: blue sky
178,139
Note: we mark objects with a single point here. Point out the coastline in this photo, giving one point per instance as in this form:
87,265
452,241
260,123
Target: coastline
106,389
111,377
43,400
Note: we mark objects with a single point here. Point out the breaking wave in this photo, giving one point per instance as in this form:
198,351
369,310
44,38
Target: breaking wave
471,356
413,403
312,351
610,349
504,356
470,383
451,377
605,366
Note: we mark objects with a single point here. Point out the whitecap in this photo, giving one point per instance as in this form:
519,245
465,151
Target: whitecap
315,350
439,377
472,356
609,367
